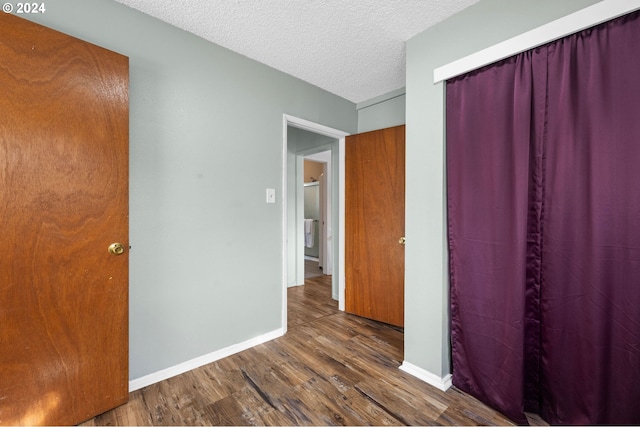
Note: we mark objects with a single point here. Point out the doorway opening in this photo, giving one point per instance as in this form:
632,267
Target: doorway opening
304,139
318,218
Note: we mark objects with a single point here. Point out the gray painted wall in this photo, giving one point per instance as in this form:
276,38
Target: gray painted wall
382,112
426,281
206,141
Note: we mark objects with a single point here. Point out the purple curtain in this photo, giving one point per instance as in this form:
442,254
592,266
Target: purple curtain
543,160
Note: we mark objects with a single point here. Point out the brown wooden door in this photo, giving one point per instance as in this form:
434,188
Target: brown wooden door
63,201
374,209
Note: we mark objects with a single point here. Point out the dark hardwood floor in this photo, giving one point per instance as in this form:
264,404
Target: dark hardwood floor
331,368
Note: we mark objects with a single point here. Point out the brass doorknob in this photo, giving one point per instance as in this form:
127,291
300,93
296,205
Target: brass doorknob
116,249
402,240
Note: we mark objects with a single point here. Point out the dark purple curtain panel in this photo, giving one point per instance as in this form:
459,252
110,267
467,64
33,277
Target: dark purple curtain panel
591,244
543,161
489,124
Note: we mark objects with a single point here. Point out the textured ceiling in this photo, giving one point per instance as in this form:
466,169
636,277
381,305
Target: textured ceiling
352,48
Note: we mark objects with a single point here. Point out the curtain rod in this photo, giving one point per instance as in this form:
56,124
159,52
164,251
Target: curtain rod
585,18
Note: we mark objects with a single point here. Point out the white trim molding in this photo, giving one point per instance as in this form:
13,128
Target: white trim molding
588,17
307,125
341,222
189,365
440,383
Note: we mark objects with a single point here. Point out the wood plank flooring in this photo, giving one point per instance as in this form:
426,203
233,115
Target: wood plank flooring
312,269
331,368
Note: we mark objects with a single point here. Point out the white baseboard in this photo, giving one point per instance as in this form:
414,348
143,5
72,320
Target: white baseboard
440,383
181,368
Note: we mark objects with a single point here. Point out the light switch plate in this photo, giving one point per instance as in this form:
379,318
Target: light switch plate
271,195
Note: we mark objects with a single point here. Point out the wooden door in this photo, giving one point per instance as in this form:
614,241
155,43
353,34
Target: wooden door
374,209
63,202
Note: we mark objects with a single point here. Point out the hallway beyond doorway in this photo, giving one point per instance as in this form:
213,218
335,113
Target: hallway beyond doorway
312,268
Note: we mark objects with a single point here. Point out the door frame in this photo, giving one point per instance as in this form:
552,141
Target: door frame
338,226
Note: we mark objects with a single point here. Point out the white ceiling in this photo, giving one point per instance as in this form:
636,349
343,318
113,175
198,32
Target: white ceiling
352,48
